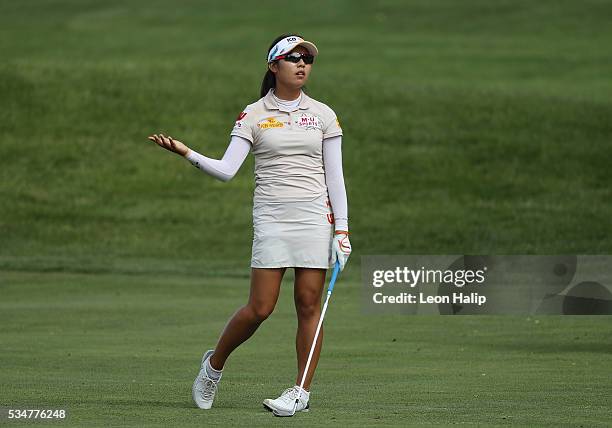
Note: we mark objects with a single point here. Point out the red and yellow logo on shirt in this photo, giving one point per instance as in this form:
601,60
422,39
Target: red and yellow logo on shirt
270,123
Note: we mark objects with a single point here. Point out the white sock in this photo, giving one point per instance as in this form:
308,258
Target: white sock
212,373
305,394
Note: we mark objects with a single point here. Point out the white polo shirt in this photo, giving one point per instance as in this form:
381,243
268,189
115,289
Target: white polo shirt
288,147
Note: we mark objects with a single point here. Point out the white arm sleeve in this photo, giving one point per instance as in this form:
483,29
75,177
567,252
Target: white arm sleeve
332,160
226,168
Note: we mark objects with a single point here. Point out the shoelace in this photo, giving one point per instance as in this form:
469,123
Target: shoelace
290,394
208,388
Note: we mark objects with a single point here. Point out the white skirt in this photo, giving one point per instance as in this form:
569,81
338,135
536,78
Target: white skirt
292,234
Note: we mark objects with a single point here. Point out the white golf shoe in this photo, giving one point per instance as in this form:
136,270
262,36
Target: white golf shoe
204,388
286,401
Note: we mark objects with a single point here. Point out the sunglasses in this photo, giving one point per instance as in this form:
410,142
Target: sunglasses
295,57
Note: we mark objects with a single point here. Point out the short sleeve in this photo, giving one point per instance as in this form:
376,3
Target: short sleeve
244,125
332,125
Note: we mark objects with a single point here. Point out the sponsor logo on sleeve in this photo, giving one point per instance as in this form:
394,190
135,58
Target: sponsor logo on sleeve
238,123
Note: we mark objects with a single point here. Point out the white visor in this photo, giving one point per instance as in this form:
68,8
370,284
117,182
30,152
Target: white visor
288,44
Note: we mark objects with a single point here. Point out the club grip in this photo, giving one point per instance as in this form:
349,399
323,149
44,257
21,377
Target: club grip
332,281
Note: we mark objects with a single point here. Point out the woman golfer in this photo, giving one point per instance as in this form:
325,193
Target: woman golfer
299,209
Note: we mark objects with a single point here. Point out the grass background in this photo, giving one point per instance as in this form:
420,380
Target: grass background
472,127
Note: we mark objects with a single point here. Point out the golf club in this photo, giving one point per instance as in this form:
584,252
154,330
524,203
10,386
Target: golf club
330,288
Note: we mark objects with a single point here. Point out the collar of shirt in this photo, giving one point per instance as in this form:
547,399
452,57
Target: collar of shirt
288,104
271,104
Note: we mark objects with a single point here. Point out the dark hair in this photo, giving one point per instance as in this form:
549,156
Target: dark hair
269,80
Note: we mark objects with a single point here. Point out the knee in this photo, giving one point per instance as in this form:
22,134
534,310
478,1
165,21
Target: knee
259,313
308,309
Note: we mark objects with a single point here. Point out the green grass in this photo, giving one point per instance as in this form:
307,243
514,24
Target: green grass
473,127
123,350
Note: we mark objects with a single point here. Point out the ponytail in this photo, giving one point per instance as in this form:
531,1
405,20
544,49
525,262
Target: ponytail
269,81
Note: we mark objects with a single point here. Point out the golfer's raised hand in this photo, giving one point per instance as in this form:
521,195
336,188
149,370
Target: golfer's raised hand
169,143
341,248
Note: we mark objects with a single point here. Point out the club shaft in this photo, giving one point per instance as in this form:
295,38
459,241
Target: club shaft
330,289
312,348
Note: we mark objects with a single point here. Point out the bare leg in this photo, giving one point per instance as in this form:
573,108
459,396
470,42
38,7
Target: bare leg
307,291
265,287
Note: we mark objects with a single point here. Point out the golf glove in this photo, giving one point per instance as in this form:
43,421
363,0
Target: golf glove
341,248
